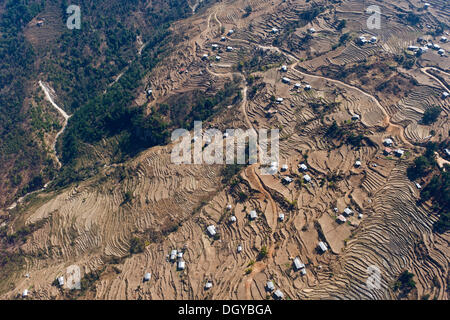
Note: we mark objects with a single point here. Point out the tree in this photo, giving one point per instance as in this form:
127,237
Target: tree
431,115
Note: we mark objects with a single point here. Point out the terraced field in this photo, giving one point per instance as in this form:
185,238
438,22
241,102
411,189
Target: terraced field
96,223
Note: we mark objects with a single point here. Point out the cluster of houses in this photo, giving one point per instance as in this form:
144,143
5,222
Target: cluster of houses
177,255
286,80
362,40
388,142
425,45
277,294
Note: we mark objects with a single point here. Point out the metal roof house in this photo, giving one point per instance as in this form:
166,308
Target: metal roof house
323,246
180,255
355,117
297,85
269,286
311,30
303,167
284,167
279,100
25,293
211,230
173,255
181,265
253,215
233,219
348,211
231,31
308,87
214,46
284,68
287,179
278,294
399,152
229,48
357,163
341,219
60,281
147,276
445,94
388,142
274,30
239,248
281,216
229,207
307,178
298,264
208,285
285,80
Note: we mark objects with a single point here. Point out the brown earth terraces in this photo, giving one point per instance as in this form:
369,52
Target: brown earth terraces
91,224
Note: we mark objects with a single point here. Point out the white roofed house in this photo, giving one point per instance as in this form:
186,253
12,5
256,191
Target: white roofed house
322,246
278,294
297,85
229,48
286,80
147,276
60,281
348,212
214,46
298,264
279,100
269,286
445,94
308,87
312,30
287,179
173,255
25,293
230,32
208,285
211,230
229,207
284,167
180,255
307,178
373,39
357,163
181,265
218,58
355,117
388,142
253,215
281,216
274,30
303,167
399,152
233,219
441,52
284,68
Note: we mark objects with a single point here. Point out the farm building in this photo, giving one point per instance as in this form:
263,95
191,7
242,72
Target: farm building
303,167
348,212
322,246
181,265
229,48
298,264
278,294
25,293
269,286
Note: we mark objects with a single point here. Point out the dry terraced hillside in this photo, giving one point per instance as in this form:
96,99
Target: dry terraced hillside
126,220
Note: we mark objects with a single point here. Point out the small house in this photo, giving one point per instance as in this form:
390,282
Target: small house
279,100
147,276
360,216
211,230
322,246
388,142
229,207
312,30
286,80
303,271
348,212
436,46
445,95
180,255
281,216
443,39
307,87
287,180
25,293
413,48
387,151
223,38
233,219
173,255
284,167
303,167
214,46
399,152
275,30
278,294
230,32
355,117
253,215
373,39
418,186
307,178
297,85
229,48
61,281
208,285
298,264
269,286
239,248
341,219
205,57
218,58
284,68
181,265
358,164
441,52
